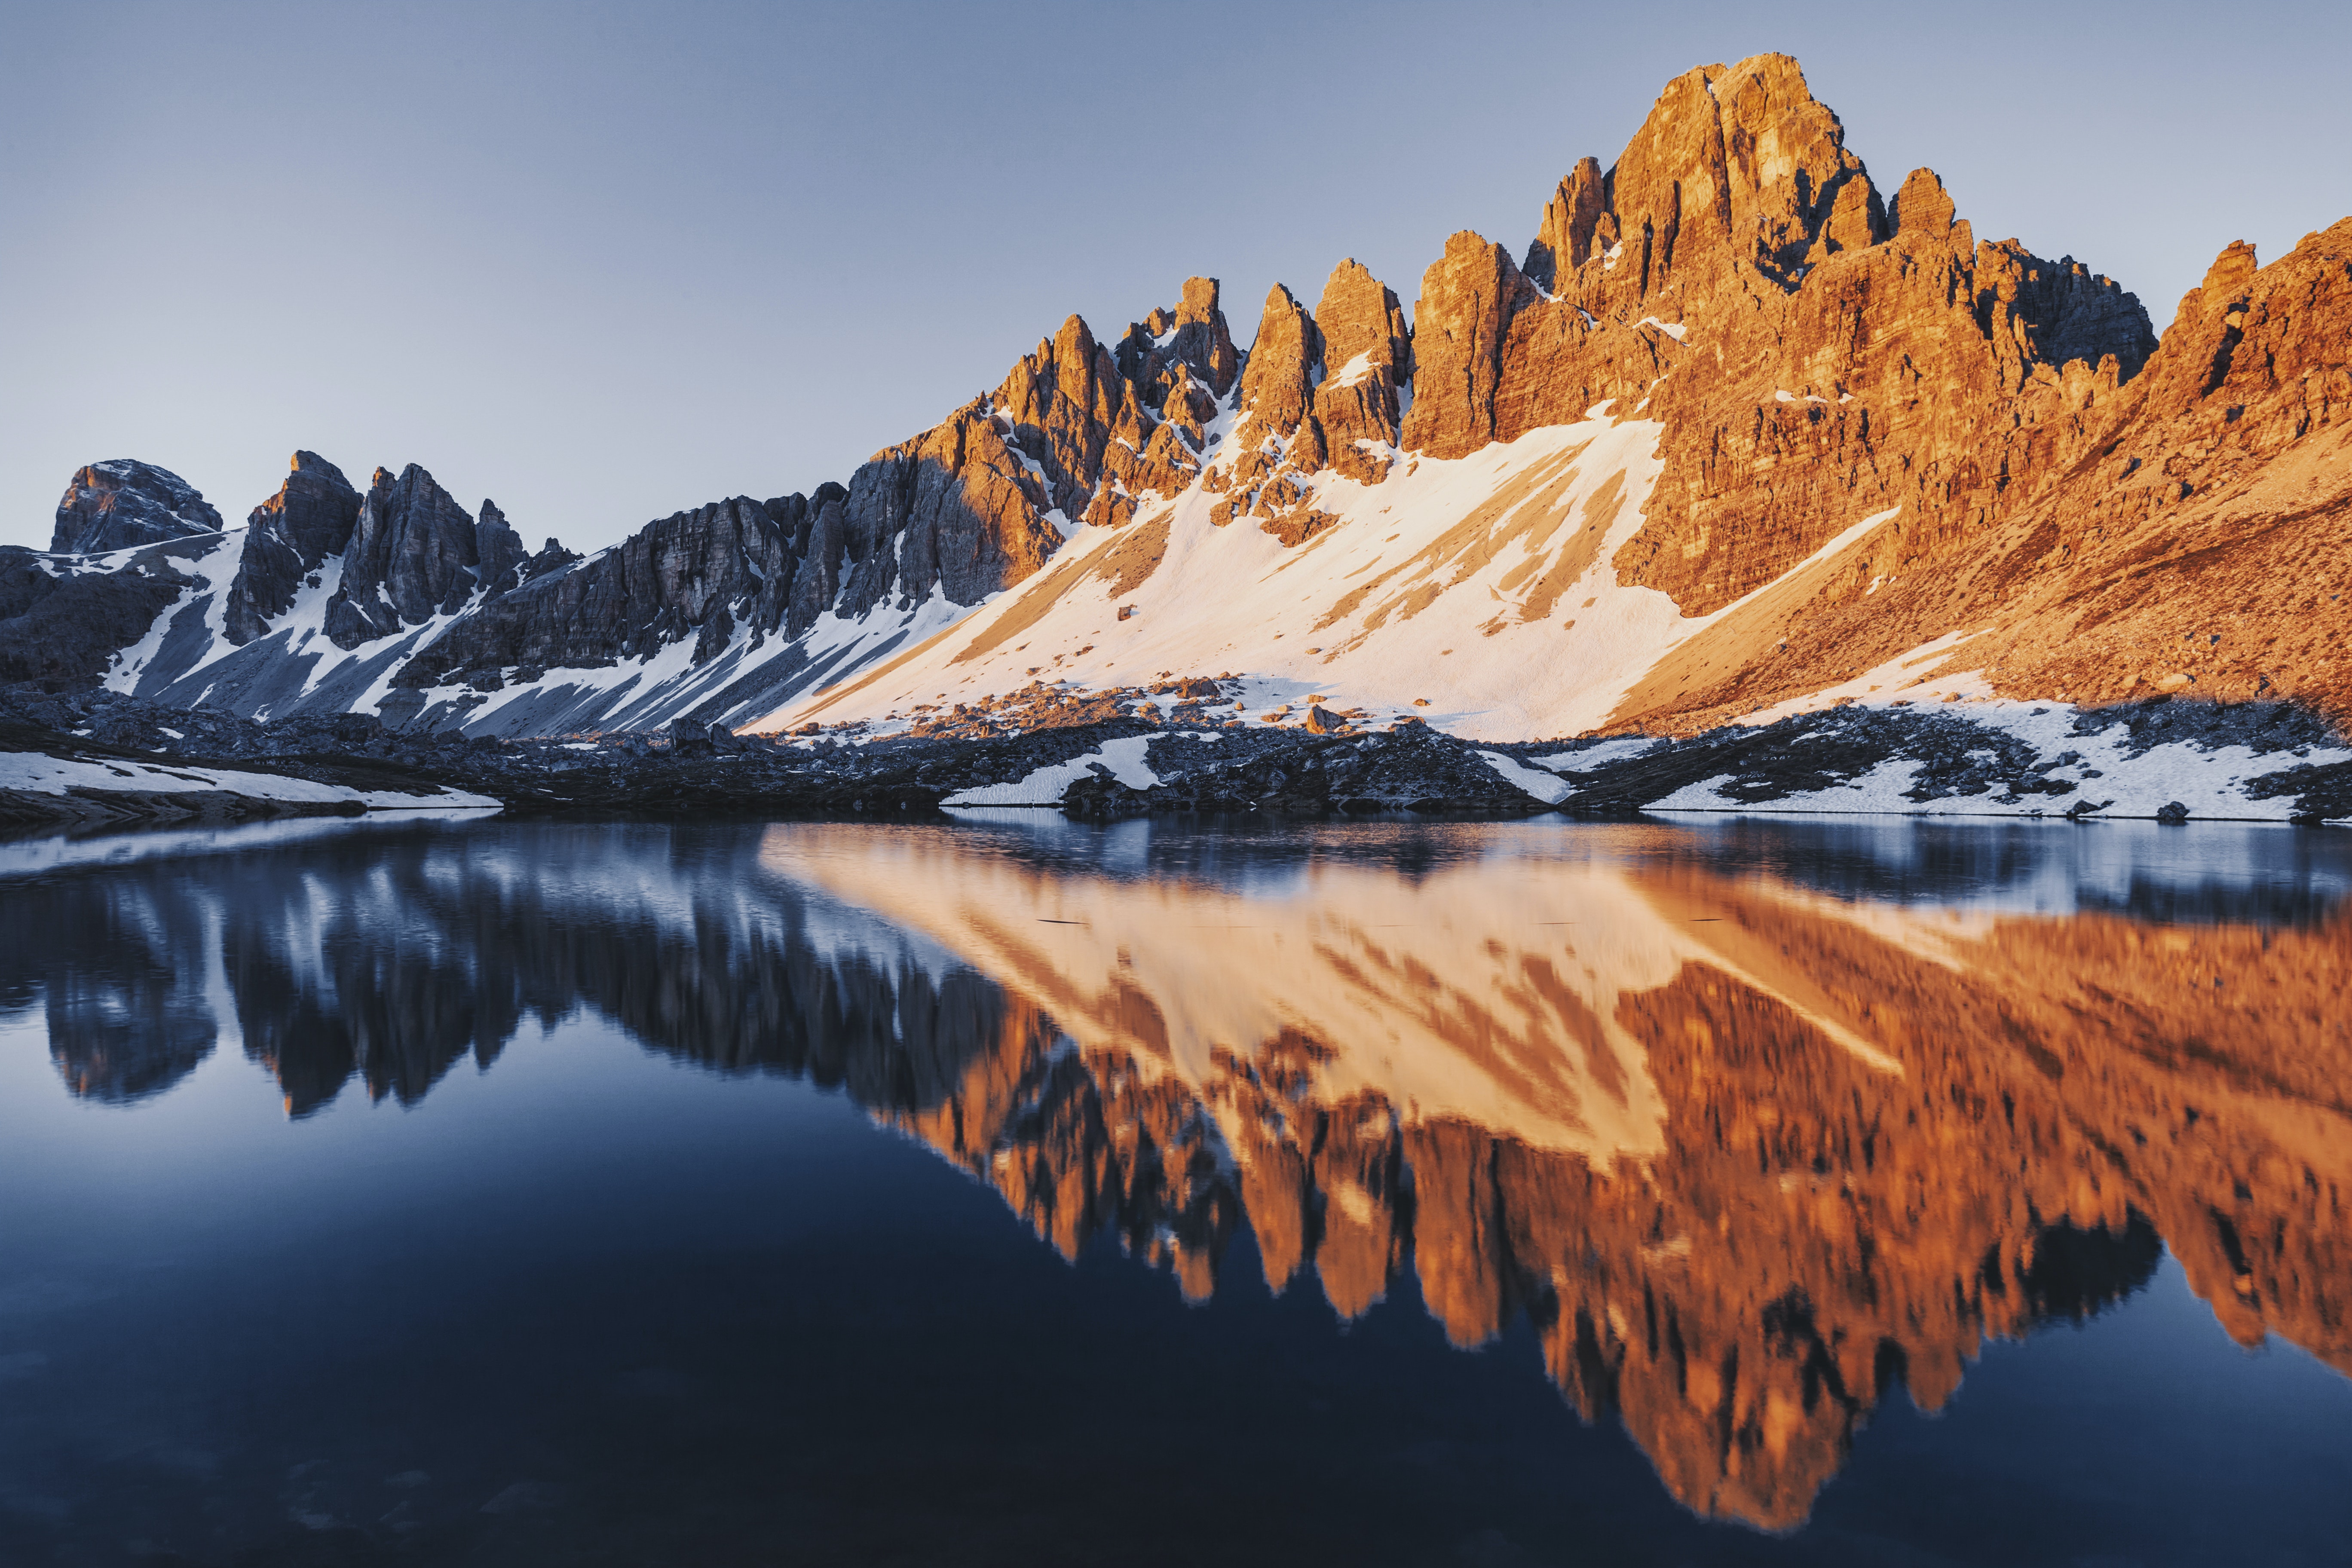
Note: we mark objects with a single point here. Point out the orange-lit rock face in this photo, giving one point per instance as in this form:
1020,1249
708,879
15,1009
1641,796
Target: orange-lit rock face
1748,1157
2095,507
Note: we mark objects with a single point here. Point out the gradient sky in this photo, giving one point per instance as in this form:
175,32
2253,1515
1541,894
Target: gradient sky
603,262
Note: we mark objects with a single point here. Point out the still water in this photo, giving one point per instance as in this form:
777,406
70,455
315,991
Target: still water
1016,1193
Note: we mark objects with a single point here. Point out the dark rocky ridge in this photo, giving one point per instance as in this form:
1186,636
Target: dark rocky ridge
413,554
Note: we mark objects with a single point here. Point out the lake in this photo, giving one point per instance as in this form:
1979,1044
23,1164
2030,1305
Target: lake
1708,1191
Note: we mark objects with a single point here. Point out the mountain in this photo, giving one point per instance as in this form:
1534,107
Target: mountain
1737,432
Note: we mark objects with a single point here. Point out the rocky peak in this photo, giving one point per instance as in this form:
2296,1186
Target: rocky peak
1790,183
1670,175
704,575
1923,208
2226,282
287,537
1147,460
1467,299
1564,243
1202,340
1060,401
1306,408
957,508
1286,360
2044,315
1360,315
1368,357
412,556
553,557
1735,165
1193,334
123,503
499,553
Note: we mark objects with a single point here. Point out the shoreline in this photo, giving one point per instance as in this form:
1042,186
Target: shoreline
62,758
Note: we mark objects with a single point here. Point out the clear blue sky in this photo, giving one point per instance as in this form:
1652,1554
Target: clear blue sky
601,262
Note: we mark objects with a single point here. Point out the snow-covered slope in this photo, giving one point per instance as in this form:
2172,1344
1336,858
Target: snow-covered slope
1479,593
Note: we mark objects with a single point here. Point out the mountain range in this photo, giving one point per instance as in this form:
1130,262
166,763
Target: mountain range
1738,433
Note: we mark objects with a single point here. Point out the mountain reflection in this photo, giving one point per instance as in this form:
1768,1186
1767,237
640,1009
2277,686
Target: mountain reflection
1752,1127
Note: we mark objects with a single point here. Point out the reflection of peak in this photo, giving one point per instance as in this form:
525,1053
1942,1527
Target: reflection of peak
1875,1137
1746,1155
1450,1009
133,1002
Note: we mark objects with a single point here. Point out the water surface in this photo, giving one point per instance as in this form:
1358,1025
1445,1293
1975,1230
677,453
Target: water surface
1012,1192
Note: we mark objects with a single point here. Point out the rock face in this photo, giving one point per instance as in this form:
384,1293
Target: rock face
1192,335
1733,277
1320,396
956,511
1467,299
2171,545
1367,353
700,574
2112,538
412,556
124,503
499,559
1565,241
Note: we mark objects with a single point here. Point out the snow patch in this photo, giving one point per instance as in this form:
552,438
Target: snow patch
1123,759
36,774
1546,787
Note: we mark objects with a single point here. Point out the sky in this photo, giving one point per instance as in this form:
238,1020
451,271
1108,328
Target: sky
605,262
